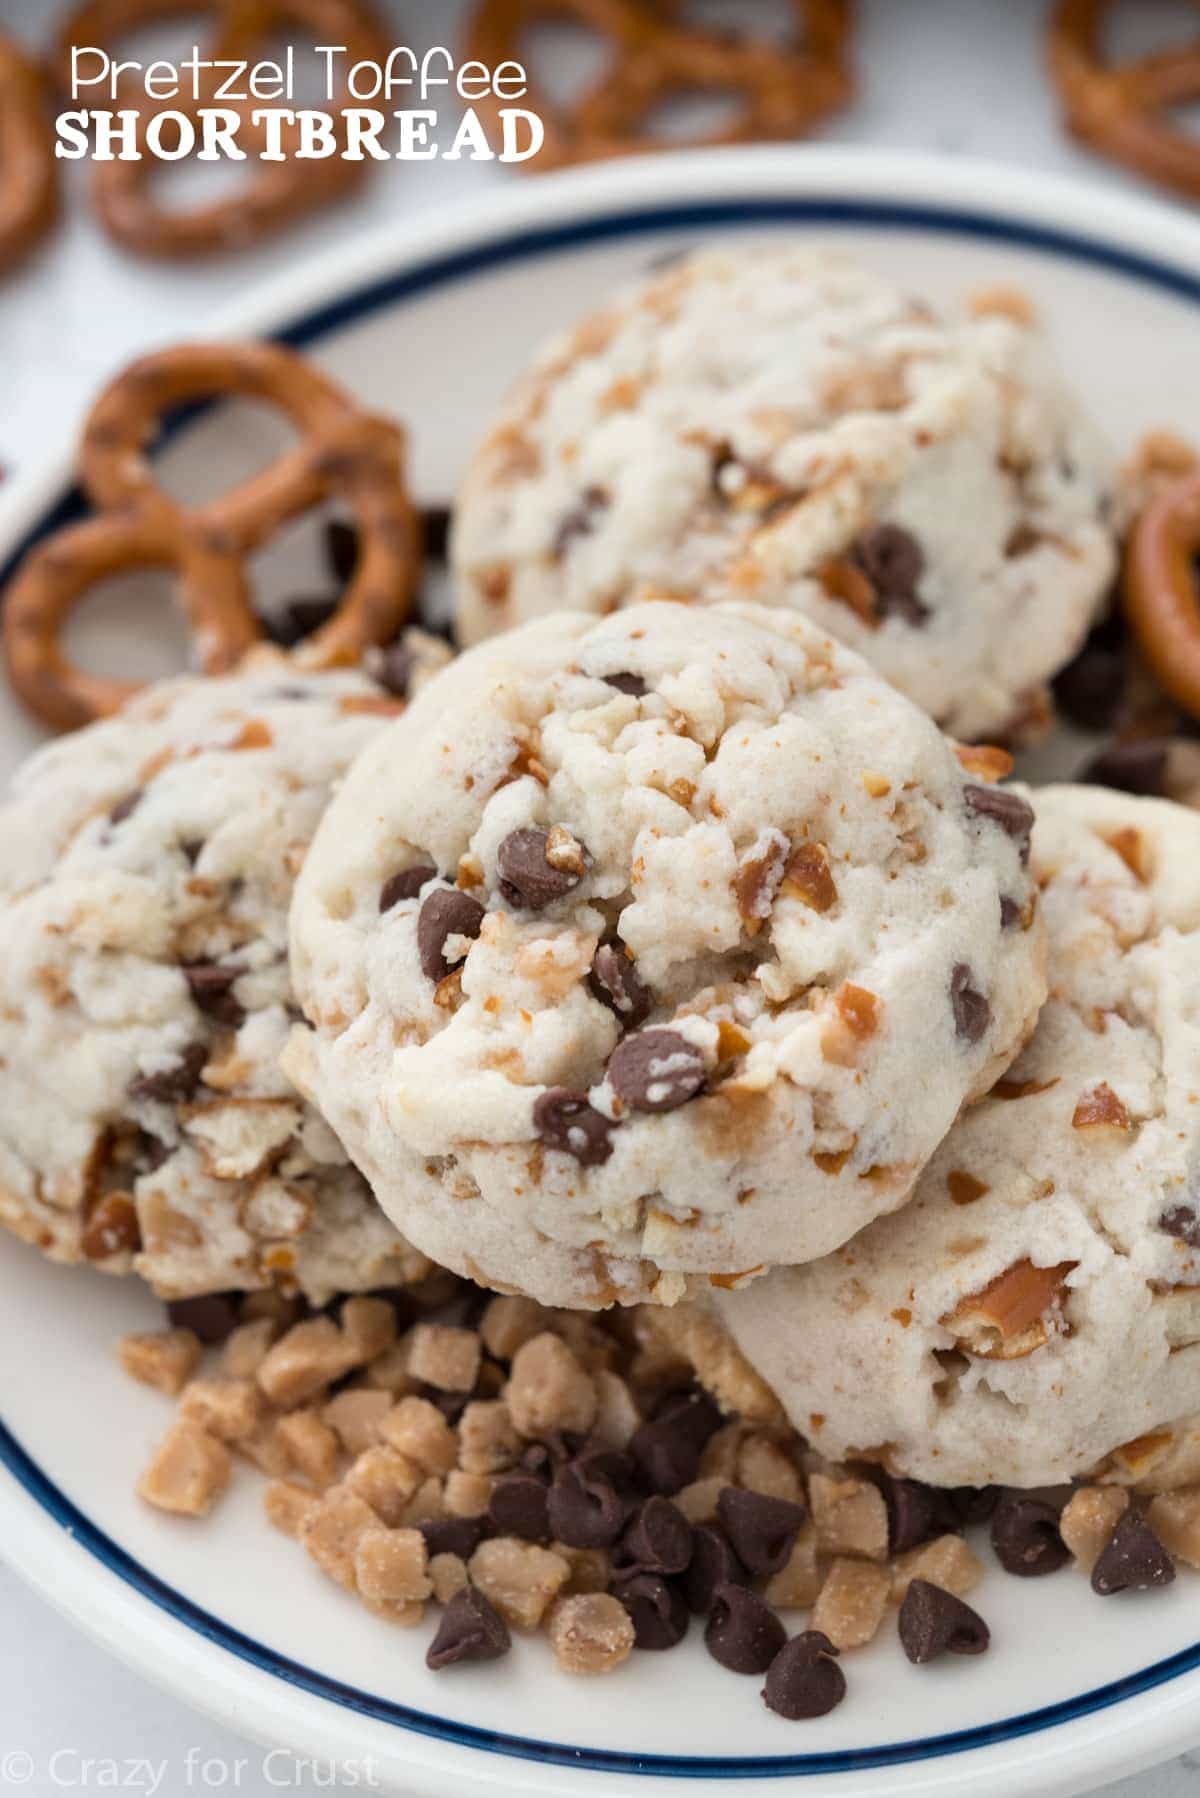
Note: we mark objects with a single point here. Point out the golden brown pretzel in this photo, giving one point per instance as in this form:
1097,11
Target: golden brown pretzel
1161,596
277,192
28,172
342,451
655,57
1124,110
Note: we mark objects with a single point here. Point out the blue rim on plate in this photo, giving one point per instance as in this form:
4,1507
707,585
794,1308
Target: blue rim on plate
391,290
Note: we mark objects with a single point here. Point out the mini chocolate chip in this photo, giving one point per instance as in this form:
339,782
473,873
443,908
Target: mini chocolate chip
973,1504
192,850
517,1507
713,1564
211,987
804,1680
450,1404
565,1121
125,807
459,1536
212,1316
299,619
341,548
972,1013
1139,767
658,1538
761,1529
893,561
656,1609
1089,689
631,684
656,1070
933,1622
916,1513
1181,1221
470,1630
150,1154
392,667
584,1507
692,1411
406,884
1133,1559
1013,814
527,877
444,914
1025,1536
580,521
667,1448
742,1631
614,981
173,1084
1010,912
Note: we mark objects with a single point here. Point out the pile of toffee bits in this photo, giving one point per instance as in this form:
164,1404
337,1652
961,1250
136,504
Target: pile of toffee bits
523,1468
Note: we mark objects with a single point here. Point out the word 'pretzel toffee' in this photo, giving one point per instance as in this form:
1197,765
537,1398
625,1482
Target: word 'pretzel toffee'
783,91
1124,110
343,453
28,178
278,192
1161,595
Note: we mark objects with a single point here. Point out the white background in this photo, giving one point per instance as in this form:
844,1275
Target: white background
963,76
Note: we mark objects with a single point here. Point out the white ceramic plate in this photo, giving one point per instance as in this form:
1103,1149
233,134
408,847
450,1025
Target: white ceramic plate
433,324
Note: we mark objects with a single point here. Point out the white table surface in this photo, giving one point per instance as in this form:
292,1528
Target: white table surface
962,76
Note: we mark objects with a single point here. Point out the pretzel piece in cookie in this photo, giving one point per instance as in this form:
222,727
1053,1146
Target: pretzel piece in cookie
783,91
28,174
343,453
1124,110
1162,599
278,192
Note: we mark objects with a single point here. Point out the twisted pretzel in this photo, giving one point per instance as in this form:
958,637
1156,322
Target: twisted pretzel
1123,110
342,452
783,91
1161,596
28,172
278,192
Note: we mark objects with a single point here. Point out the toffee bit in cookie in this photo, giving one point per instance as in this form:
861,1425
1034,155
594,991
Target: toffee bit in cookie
972,1013
471,1630
518,1507
584,1506
631,684
1025,1536
933,1623
537,867
656,1608
804,1680
658,1539
1181,1221
1138,767
1134,1559
743,1633
111,1229
615,982
565,1121
1013,814
445,914
173,1084
406,884
656,1070
211,986
125,808
713,1564
807,877
762,1530
893,561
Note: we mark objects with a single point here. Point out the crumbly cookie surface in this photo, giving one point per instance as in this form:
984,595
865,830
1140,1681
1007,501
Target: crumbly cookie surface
769,424
662,945
1036,1307
146,871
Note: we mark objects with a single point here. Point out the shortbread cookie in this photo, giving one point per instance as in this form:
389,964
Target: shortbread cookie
146,866
1036,1307
771,424
658,945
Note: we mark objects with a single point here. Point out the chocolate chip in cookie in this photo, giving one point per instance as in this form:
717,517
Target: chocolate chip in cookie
972,1013
537,867
564,1120
656,1070
406,884
614,980
445,914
